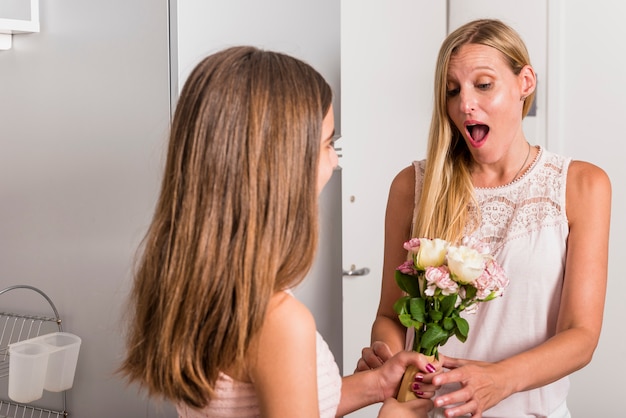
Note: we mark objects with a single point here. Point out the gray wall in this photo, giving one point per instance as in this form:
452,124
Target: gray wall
84,111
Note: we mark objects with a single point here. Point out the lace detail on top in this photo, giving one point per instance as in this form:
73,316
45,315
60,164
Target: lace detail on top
527,204
532,202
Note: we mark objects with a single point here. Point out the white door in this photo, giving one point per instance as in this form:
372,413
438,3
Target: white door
388,52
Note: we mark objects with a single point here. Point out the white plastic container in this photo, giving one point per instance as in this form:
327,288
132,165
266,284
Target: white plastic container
28,365
64,348
45,362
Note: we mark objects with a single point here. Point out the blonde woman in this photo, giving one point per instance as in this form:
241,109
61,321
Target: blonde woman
544,216
214,327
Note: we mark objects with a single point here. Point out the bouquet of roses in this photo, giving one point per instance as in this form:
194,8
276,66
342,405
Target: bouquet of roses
441,281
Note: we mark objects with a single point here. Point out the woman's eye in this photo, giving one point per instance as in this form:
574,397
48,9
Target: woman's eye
484,86
452,92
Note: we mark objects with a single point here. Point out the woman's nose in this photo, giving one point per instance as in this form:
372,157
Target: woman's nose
468,102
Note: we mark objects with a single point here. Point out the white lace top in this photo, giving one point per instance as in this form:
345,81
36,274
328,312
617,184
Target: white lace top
526,227
237,399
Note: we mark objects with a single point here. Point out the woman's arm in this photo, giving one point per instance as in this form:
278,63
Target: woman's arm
588,205
284,370
398,218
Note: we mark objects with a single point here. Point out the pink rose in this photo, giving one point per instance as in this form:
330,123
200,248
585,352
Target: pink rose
439,277
491,282
407,268
412,245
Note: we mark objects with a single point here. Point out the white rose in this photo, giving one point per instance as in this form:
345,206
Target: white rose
465,264
432,253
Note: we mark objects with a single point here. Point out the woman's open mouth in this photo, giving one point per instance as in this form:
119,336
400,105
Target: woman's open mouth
477,133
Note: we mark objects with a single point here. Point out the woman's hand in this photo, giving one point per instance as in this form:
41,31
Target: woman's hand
482,386
391,372
378,385
373,357
412,409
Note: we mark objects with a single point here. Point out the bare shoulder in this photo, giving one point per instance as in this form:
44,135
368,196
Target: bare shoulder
404,181
585,179
284,371
285,313
288,331
402,190
588,192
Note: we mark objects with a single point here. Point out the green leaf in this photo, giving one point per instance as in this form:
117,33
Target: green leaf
433,336
408,283
405,319
417,307
448,324
436,316
447,304
408,321
460,336
462,327
402,305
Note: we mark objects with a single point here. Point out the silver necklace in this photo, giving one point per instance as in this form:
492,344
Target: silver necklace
524,163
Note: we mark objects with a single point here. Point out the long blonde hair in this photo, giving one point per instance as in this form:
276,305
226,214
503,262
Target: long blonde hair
447,205
236,219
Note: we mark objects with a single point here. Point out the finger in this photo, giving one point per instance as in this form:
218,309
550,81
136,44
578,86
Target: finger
370,358
452,376
382,351
451,362
423,390
461,396
425,387
425,394
469,408
361,366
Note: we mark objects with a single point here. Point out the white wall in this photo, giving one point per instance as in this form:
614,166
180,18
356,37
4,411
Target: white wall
592,110
580,106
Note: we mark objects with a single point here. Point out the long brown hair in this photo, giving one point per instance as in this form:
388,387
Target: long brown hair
447,205
236,219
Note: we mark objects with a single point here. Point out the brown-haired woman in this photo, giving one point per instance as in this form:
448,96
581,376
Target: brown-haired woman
213,325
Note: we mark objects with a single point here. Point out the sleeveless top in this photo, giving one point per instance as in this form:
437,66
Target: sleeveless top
525,225
238,399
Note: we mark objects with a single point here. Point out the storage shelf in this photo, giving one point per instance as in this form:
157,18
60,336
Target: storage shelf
15,327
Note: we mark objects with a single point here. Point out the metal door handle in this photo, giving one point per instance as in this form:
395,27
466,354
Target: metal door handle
354,272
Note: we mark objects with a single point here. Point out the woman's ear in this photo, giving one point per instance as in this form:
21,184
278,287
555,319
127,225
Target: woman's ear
528,81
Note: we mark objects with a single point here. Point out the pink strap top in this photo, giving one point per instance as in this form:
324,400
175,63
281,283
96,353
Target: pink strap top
238,399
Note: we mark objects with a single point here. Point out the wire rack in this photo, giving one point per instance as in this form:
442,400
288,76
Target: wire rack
16,327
